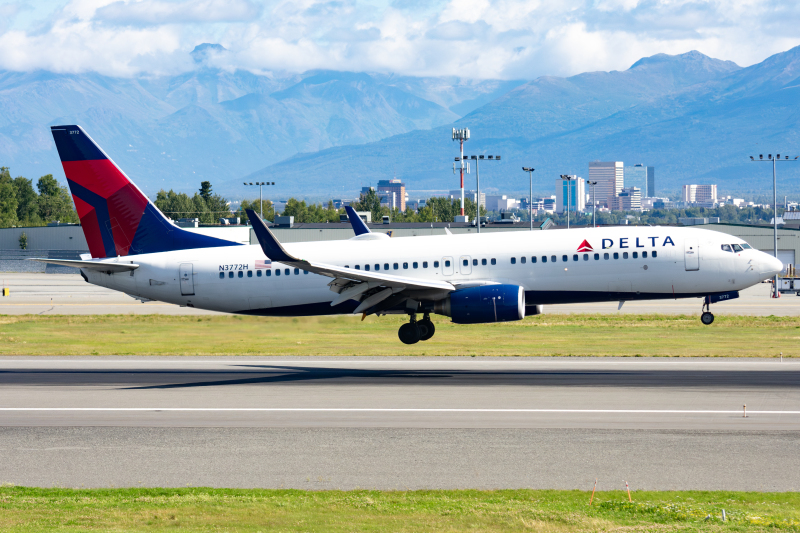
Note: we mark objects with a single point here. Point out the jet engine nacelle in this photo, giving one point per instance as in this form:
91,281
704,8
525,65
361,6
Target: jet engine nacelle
487,303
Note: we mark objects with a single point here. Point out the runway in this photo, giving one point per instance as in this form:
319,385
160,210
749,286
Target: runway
400,422
69,294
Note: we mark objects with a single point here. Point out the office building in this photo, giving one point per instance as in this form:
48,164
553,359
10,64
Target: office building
650,191
570,193
636,176
628,199
610,180
500,203
392,193
702,195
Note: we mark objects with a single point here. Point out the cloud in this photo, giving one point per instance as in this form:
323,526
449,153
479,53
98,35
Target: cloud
8,12
152,12
508,39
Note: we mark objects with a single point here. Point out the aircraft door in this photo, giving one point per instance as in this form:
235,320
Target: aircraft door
464,265
691,254
447,266
187,279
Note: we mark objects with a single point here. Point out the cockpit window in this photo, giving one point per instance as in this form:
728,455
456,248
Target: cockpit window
726,248
736,248
746,246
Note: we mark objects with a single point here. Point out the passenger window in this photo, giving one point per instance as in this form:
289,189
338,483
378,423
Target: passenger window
483,262
415,264
386,266
377,267
616,255
241,274
513,260
221,275
533,259
737,248
575,257
230,274
258,273
436,264
553,258
596,257
465,262
544,259
269,273
564,258
396,266
635,255
296,271
522,260
474,262
447,263
624,255
286,271
494,261
585,257
405,265
605,255
358,267
644,255
347,266
424,264
366,267
655,254
305,272
726,248
249,273
277,271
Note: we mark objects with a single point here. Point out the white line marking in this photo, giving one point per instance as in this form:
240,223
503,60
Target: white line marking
391,410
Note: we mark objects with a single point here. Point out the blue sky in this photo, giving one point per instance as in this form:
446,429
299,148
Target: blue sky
468,38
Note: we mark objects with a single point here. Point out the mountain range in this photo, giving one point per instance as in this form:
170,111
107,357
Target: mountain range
324,133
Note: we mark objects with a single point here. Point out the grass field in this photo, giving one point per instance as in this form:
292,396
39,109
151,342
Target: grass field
203,509
543,335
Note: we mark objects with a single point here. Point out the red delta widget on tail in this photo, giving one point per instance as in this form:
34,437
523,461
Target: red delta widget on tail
471,278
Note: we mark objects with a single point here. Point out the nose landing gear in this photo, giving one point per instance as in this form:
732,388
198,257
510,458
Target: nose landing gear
707,317
413,331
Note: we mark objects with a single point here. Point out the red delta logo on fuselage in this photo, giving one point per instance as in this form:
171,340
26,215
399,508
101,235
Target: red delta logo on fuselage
585,247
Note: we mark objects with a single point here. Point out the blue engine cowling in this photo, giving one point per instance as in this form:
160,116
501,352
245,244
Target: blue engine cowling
487,303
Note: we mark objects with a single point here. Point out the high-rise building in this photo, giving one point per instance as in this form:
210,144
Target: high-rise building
636,176
610,179
392,193
571,193
650,191
628,199
700,194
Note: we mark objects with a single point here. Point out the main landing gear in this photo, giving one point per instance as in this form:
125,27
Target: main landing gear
413,331
707,318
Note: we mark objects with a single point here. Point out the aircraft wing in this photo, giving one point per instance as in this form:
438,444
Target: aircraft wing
349,283
100,266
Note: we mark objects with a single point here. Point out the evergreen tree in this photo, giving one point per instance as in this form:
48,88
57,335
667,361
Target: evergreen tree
205,190
27,202
8,200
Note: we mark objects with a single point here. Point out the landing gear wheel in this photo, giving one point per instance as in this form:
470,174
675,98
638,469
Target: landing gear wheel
409,333
707,318
426,329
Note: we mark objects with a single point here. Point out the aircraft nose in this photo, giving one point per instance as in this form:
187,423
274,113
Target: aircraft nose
770,266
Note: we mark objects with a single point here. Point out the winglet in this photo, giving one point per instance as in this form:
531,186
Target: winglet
272,248
358,225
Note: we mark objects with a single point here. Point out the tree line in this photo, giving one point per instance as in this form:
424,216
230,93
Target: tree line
22,205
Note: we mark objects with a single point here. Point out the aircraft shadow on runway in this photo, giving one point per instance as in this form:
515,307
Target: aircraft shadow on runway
340,376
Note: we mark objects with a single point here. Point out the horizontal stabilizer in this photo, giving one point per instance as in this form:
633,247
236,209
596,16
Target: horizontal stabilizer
100,266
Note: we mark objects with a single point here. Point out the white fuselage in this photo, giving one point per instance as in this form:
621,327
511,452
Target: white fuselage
668,262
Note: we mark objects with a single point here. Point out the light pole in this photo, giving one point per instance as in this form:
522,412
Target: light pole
775,293
461,136
260,194
594,205
530,170
568,179
477,159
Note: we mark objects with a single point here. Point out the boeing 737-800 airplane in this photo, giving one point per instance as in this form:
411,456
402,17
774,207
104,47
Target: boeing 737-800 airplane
474,278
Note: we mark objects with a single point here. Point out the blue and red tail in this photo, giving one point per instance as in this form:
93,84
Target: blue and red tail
117,218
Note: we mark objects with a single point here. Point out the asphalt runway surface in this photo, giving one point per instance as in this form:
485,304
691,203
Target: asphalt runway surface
398,423
68,294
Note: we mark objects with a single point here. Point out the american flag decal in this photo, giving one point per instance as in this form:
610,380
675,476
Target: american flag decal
263,263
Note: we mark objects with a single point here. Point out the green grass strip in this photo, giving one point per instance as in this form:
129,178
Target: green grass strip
204,509
543,335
